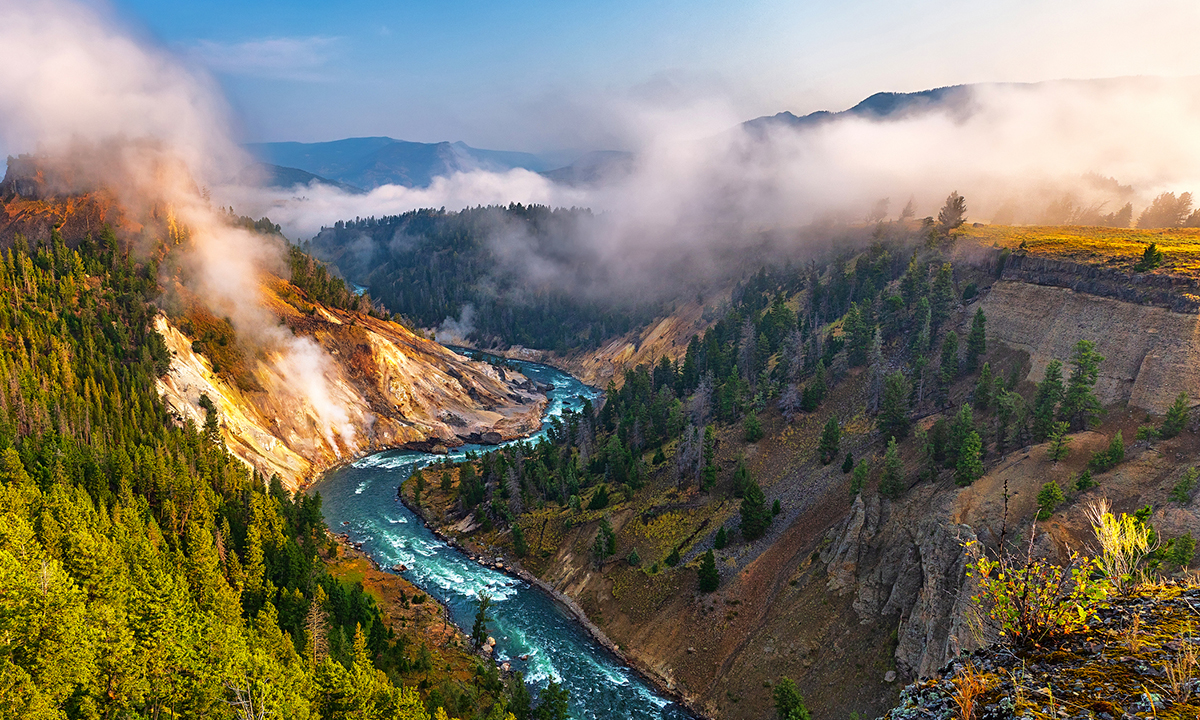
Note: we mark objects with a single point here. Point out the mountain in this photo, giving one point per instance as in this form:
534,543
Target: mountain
373,161
279,176
889,105
593,167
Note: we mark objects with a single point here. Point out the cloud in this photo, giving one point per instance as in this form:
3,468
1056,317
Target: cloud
286,58
694,200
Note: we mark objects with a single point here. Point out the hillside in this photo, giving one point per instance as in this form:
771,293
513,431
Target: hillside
859,584
396,389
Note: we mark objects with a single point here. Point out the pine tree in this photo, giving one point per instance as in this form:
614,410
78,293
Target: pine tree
891,485
519,546
1177,417
1059,441
1049,498
1045,403
941,299
710,579
479,631
948,371
741,478
976,340
848,463
859,477
830,438
789,704
893,415
984,388
953,213
1080,406
709,454
755,515
970,466
1085,481
721,540
752,428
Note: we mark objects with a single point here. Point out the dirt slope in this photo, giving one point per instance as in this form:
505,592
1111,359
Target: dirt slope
392,388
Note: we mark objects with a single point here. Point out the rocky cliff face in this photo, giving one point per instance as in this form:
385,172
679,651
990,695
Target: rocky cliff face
386,386
1150,353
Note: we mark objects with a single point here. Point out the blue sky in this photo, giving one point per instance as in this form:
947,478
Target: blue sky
564,75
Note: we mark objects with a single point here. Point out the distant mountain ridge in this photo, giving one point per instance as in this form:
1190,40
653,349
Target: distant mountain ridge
373,161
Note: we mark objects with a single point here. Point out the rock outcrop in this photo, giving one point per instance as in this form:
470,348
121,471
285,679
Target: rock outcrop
384,387
1150,353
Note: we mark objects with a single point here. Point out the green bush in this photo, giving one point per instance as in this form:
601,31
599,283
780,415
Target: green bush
1110,458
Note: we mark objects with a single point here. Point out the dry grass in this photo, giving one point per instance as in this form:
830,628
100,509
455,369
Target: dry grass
970,685
1132,636
1180,670
1116,247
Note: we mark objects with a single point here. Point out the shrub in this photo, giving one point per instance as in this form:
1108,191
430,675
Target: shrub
1110,458
1085,481
1147,432
673,558
633,558
776,508
1126,543
1025,601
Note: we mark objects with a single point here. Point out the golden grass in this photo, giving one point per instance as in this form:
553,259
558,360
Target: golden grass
1116,247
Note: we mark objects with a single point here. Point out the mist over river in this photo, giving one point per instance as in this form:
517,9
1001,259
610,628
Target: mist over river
528,622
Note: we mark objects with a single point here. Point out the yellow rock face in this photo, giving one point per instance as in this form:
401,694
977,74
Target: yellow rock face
346,385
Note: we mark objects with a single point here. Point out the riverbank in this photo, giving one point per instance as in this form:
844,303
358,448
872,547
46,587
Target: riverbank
502,562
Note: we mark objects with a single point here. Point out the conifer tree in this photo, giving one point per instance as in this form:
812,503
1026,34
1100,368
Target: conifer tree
859,476
848,463
984,388
755,514
970,466
789,705
722,539
942,295
1045,403
1049,498
831,436
976,340
710,578
1059,441
891,485
893,415
1080,406
1177,417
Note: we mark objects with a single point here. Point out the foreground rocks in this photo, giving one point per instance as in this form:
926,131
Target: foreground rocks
1138,659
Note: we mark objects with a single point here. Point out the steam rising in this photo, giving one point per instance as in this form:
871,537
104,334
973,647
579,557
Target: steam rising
116,111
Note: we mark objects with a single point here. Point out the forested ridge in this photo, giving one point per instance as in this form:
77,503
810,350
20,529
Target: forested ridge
431,265
144,571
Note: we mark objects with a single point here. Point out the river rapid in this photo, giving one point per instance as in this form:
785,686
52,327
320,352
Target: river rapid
360,500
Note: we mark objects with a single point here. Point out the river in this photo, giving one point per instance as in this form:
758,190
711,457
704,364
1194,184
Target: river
528,622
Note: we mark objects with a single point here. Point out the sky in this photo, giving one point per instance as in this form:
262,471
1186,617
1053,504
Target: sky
566,76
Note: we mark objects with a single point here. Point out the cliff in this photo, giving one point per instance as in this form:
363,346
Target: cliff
388,387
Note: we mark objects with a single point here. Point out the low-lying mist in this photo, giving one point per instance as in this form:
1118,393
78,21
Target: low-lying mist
1042,153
